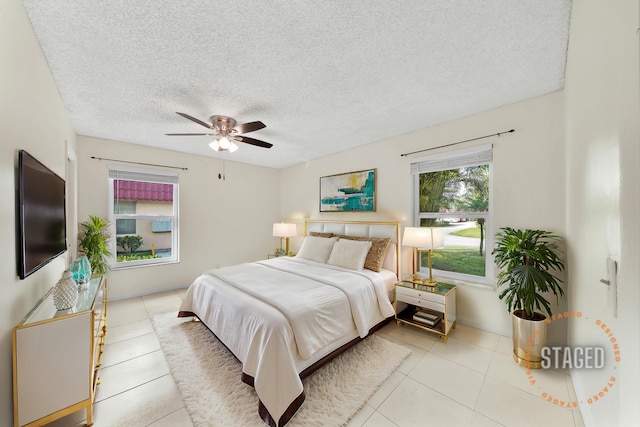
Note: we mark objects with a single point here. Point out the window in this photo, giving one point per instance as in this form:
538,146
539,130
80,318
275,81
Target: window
144,209
125,226
452,192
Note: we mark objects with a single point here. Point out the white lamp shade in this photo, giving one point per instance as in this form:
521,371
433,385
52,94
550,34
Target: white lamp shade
423,237
224,143
282,229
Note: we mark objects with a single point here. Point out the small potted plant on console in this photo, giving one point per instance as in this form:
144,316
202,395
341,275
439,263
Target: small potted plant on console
93,242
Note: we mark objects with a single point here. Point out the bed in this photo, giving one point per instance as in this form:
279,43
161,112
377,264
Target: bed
285,317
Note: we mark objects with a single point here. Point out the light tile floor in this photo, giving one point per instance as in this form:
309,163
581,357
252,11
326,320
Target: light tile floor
469,380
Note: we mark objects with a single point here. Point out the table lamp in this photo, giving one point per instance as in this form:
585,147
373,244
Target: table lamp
423,239
285,231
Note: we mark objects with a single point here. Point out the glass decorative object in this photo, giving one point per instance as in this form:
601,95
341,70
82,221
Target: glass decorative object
74,268
65,293
81,269
86,269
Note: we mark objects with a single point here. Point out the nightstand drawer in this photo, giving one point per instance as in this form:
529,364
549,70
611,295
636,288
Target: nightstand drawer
418,294
421,302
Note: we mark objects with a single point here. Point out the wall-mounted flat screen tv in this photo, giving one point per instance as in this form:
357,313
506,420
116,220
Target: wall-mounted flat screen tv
41,228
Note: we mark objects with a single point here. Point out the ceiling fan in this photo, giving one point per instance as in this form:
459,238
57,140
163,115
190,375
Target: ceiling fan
226,131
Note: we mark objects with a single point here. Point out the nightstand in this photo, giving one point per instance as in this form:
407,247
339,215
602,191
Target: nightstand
269,256
430,308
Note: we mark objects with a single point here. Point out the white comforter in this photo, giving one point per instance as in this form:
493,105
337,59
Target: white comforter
280,316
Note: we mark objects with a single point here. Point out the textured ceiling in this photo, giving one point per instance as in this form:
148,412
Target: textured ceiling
323,76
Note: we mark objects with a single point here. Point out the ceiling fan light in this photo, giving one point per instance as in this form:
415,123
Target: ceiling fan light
226,130
224,143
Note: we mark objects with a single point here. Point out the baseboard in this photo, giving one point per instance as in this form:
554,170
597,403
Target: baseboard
482,326
143,294
578,389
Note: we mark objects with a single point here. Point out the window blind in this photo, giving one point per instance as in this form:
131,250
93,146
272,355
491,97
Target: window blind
147,176
475,156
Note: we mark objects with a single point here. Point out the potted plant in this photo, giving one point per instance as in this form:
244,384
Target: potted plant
527,259
93,238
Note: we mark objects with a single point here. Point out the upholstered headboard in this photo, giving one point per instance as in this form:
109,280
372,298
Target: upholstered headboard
363,229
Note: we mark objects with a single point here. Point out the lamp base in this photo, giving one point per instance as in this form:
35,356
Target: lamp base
430,283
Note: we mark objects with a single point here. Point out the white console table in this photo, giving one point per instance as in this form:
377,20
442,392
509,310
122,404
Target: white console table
56,356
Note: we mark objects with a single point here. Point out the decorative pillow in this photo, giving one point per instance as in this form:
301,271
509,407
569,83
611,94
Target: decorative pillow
319,234
316,248
375,257
349,254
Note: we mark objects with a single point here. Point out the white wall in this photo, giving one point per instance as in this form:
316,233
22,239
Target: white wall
603,134
528,190
32,118
221,222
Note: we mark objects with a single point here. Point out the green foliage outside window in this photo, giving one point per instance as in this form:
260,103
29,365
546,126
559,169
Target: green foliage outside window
455,190
451,195
129,244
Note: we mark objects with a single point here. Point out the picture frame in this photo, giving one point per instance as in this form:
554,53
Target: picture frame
349,192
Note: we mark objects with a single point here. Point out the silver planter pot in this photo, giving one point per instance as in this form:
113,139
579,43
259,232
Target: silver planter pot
529,336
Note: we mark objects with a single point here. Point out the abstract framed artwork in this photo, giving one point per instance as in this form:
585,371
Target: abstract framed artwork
349,192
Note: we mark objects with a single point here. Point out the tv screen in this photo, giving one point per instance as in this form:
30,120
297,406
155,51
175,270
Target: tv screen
42,231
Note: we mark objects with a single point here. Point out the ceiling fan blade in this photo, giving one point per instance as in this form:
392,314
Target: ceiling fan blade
189,134
252,141
249,127
193,119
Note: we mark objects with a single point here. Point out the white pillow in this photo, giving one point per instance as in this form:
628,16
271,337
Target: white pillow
349,253
316,248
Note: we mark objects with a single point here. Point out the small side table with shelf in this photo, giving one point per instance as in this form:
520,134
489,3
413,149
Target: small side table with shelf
417,304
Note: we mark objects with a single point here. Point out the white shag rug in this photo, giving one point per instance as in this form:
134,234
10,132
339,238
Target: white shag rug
208,377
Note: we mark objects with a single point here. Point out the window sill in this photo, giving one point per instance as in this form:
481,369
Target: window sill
481,284
471,284
155,264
